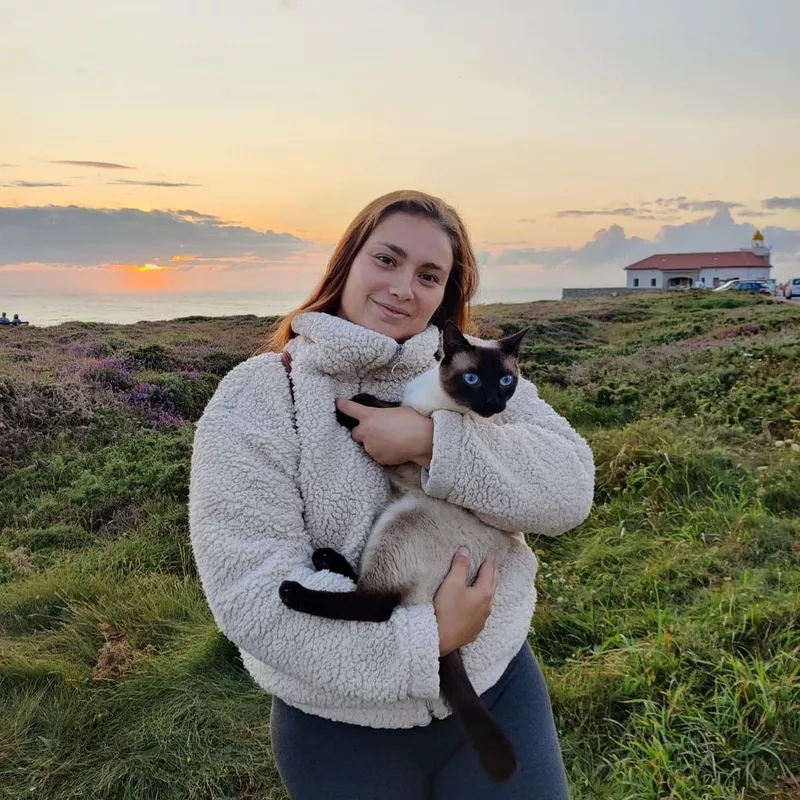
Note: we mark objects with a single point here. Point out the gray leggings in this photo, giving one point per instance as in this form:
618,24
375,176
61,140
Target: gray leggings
323,760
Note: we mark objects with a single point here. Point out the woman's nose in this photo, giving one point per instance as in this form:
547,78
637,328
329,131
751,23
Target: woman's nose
401,287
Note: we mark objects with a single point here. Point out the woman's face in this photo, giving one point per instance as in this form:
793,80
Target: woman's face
397,280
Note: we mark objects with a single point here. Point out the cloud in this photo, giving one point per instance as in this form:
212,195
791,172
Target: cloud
612,247
96,164
169,184
198,217
33,184
84,237
606,245
755,214
529,220
669,201
626,211
708,205
663,208
3,166
790,203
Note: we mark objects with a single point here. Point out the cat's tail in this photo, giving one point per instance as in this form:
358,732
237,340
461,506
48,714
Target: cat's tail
495,751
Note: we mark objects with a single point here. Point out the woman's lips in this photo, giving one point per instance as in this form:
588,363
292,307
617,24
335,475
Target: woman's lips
390,311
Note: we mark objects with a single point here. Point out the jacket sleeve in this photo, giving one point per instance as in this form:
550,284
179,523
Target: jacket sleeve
527,470
248,535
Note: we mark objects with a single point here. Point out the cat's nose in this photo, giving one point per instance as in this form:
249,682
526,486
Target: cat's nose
490,409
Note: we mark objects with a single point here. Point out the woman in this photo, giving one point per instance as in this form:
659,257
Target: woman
356,711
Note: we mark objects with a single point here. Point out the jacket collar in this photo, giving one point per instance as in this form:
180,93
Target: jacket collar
335,346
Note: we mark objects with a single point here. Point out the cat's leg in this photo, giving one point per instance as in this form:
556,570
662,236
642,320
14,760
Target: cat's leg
327,558
364,400
372,401
354,606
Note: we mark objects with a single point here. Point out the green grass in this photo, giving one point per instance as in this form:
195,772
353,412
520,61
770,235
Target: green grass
668,625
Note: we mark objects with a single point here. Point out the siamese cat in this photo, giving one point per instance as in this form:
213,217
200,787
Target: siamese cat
410,548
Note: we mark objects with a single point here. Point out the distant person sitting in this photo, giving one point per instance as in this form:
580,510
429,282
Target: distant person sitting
16,320
4,320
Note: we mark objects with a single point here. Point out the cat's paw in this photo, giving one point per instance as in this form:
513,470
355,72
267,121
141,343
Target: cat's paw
365,399
322,557
373,402
327,558
291,593
346,421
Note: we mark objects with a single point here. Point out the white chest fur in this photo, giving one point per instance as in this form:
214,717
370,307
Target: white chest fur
425,394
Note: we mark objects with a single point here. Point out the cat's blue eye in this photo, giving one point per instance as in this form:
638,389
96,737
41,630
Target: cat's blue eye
507,380
470,378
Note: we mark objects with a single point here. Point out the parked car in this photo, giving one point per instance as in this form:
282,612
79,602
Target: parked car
756,287
792,288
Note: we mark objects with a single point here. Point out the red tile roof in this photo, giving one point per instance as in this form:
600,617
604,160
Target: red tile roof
683,261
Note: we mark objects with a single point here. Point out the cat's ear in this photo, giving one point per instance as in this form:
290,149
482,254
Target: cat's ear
510,345
453,340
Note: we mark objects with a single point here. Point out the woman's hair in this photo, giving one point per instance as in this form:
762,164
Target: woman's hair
462,281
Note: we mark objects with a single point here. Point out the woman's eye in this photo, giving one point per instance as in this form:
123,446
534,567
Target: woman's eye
507,380
429,278
387,260
470,378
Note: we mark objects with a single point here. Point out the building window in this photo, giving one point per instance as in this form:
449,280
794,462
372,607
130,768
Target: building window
635,281
652,281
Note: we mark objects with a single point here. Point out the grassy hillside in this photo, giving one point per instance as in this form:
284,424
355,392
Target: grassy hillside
667,624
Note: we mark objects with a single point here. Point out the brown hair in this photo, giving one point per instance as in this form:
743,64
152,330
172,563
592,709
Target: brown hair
462,281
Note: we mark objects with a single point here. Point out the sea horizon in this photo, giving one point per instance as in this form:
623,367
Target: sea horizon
46,310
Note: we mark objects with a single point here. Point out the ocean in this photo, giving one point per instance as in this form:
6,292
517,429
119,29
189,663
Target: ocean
44,310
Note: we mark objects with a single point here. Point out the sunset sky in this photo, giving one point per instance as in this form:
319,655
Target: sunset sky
177,146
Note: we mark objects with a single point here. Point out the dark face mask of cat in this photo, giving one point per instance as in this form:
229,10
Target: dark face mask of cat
481,377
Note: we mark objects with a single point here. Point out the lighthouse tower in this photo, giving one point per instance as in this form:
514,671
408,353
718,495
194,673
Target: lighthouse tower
758,247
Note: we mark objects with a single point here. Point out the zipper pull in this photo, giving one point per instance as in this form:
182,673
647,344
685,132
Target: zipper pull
397,361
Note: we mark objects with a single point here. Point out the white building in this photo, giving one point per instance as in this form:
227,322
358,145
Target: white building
684,270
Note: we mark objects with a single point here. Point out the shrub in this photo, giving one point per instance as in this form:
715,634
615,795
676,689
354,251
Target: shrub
781,492
112,373
151,356
89,489
657,462
92,349
155,404
543,354
220,364
33,414
169,396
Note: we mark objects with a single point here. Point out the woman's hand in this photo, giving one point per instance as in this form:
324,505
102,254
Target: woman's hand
462,610
391,435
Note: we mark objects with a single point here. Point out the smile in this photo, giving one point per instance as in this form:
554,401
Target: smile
391,312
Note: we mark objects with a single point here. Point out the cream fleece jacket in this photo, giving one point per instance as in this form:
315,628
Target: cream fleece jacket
271,481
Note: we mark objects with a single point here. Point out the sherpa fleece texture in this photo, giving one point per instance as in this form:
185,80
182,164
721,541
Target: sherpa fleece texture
271,481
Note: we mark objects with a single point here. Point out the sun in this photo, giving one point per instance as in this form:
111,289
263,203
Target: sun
146,278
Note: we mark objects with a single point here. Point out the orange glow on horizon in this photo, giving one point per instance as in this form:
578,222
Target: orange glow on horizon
146,278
